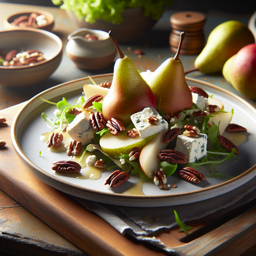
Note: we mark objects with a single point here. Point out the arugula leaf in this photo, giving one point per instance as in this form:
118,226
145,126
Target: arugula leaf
168,168
183,227
97,106
103,131
82,156
50,123
63,104
134,164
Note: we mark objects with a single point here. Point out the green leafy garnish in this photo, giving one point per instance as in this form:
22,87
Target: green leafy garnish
49,102
134,164
111,10
97,106
103,131
168,168
50,123
92,81
1,61
82,156
40,153
183,227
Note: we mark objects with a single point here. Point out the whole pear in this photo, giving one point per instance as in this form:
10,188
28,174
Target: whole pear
240,71
169,85
129,92
223,42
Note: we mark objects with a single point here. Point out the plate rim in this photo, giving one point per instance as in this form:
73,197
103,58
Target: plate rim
119,198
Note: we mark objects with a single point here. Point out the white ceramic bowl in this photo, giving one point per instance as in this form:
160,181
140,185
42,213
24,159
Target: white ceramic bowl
30,39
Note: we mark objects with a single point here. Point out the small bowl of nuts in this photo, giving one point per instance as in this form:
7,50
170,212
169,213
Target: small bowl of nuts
28,56
30,19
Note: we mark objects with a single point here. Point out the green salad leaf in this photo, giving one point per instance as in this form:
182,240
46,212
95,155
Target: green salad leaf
183,227
111,10
168,168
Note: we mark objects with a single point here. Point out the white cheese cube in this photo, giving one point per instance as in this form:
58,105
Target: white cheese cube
80,129
193,147
145,129
199,100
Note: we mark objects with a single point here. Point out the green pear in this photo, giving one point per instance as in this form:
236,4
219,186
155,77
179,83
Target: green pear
223,42
169,85
129,92
240,71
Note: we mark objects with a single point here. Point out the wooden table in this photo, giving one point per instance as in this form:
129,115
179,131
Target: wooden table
21,232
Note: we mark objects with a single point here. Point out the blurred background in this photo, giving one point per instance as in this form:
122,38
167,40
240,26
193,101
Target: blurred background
228,6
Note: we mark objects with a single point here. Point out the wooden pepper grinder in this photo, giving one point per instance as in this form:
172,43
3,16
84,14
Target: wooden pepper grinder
192,24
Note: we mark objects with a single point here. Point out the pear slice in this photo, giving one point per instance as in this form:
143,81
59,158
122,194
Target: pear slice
221,119
90,90
148,155
122,144
213,101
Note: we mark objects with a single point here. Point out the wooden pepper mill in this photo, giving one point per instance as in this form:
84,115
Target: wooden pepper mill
192,24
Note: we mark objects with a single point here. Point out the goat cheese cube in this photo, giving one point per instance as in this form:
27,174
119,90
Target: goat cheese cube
91,160
193,147
199,100
144,127
80,129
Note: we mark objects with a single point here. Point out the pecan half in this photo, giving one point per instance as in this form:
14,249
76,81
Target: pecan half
100,164
132,133
171,134
159,179
97,121
106,85
32,20
227,144
10,55
117,178
153,120
212,108
66,167
95,98
200,113
134,154
75,111
190,174
75,147
138,52
55,139
2,120
115,126
20,19
172,156
2,143
235,128
191,130
199,91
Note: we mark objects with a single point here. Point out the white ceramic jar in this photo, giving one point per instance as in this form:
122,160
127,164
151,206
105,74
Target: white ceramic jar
90,54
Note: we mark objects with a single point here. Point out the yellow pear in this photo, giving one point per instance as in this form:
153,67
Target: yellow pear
169,85
129,92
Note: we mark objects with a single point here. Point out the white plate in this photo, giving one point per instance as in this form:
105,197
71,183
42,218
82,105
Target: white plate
28,126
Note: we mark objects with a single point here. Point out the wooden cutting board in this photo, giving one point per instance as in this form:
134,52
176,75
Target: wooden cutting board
233,234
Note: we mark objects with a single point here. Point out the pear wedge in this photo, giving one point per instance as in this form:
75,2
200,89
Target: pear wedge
169,85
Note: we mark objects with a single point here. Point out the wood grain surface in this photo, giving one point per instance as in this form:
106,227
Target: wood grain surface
92,234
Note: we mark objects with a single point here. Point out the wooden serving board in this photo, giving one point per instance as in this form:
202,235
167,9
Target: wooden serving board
233,233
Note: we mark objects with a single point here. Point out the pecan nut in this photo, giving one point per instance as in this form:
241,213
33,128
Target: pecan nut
227,144
95,98
66,167
2,143
116,179
115,126
199,91
106,85
191,175
55,139
172,156
2,120
159,179
10,55
32,20
75,147
171,134
212,108
20,19
132,133
191,130
97,121
234,128
134,154
200,113
100,164
153,120
75,111
138,52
